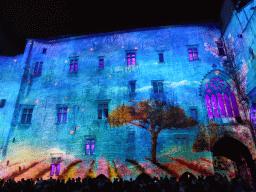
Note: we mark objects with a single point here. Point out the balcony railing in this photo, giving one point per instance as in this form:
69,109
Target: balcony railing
158,96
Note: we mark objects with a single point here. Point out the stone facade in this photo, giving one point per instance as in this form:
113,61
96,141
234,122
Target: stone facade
59,92
80,92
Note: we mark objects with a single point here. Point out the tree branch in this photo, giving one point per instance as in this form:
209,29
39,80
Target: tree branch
139,125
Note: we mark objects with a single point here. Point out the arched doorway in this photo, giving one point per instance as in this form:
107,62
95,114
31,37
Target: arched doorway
238,153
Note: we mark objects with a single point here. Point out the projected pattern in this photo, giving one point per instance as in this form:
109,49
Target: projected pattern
65,96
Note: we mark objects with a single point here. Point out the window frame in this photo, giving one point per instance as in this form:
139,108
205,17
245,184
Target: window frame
156,82
101,59
131,83
38,69
29,112
3,102
196,110
192,47
73,65
60,115
103,109
102,102
129,59
182,136
86,138
44,50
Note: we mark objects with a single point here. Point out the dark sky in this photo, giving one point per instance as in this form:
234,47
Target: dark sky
22,19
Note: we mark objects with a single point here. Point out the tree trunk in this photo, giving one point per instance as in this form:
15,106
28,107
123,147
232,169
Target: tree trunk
153,148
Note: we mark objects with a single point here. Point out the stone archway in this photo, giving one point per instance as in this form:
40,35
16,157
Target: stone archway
239,153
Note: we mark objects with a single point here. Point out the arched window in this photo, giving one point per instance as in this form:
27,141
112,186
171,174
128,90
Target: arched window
219,99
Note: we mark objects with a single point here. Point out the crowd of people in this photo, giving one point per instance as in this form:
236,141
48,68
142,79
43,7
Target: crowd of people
187,183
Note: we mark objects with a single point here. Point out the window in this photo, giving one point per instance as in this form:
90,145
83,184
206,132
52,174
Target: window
193,113
220,48
161,57
253,113
193,54
101,62
181,141
62,115
220,100
2,103
38,69
55,163
131,58
157,86
26,116
44,50
102,111
132,86
90,146
73,65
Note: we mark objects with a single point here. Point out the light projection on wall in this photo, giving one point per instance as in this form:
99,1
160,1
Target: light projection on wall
220,100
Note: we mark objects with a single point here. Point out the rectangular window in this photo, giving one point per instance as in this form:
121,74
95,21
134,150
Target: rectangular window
132,86
220,48
62,115
101,62
44,50
157,86
253,113
26,116
73,65
131,60
161,57
181,142
193,54
90,146
102,111
193,113
38,69
2,103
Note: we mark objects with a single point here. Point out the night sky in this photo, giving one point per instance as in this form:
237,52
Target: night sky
22,19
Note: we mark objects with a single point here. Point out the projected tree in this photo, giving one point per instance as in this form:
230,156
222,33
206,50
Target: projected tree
154,116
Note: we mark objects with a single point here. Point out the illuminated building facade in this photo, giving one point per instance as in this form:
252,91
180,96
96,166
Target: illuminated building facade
64,88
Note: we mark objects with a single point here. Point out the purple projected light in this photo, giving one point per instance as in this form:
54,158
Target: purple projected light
215,106
52,169
208,106
234,104
222,106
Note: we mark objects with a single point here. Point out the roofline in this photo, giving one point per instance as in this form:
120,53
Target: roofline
76,37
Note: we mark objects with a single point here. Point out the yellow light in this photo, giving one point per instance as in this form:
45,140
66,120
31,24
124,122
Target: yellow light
156,63
66,61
